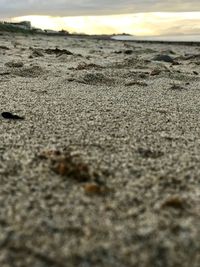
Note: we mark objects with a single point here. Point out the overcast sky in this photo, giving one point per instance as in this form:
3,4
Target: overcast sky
13,8
137,17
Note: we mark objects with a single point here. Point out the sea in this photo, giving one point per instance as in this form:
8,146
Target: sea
179,38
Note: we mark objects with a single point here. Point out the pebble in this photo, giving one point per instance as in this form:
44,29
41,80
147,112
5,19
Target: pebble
8,115
164,58
13,64
173,202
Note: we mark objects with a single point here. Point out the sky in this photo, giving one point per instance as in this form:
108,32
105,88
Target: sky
137,17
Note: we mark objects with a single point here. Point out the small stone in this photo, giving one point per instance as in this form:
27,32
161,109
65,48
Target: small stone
58,52
4,47
13,64
155,72
94,188
71,79
83,66
140,83
175,63
142,75
164,58
36,53
128,52
148,153
173,202
177,87
118,52
8,115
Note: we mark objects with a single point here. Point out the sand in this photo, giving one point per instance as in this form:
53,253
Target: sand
129,122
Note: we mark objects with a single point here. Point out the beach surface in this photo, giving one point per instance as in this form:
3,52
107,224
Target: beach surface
100,153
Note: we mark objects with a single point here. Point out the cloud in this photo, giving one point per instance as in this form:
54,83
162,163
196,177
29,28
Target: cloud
160,23
13,8
183,27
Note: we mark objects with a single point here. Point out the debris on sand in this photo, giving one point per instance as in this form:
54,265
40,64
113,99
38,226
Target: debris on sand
85,66
140,83
48,154
36,53
173,202
14,64
148,153
195,72
10,116
128,52
118,52
95,189
4,47
176,63
16,44
191,56
155,72
95,78
58,52
68,165
4,73
164,58
29,72
177,87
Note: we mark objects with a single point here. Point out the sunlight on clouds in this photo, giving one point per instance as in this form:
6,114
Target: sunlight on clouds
139,24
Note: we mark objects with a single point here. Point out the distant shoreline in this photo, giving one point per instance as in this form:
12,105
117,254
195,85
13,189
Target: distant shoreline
113,38
190,43
110,38
184,39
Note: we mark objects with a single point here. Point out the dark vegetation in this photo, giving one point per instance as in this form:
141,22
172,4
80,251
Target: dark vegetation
13,29
10,28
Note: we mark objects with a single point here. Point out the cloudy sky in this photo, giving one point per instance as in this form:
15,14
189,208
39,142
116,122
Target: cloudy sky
139,17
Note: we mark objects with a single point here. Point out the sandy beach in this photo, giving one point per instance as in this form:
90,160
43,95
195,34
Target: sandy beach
100,153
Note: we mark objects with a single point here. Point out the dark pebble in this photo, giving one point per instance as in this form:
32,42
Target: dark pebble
128,52
164,58
10,116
